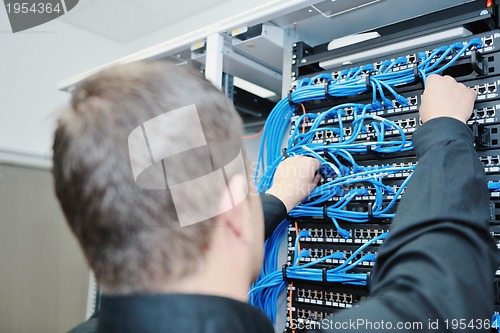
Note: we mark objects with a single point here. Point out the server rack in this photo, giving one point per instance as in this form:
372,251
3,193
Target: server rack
473,58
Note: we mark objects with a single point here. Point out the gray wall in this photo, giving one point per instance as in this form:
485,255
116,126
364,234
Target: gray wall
43,276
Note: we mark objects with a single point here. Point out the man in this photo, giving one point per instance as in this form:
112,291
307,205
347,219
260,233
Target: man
159,276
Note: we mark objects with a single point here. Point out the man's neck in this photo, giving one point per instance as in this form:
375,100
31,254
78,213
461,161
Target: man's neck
210,284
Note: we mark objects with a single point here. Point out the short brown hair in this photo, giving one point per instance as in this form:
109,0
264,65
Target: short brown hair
130,236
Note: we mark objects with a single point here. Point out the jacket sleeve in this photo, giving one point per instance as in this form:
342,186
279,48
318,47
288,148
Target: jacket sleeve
438,261
274,212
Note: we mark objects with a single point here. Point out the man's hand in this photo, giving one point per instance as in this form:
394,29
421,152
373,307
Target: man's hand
445,97
294,179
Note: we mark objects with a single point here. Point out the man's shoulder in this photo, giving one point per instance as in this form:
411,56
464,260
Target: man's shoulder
90,326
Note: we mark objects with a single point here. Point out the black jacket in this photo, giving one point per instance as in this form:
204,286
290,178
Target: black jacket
439,259
438,262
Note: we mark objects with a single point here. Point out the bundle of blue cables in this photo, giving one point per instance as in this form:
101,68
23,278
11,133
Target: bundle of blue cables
266,290
350,83
344,180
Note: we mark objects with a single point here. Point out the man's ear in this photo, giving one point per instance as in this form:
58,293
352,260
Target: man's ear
234,206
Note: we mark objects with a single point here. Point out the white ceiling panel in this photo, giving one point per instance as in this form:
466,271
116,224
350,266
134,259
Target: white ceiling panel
340,18
119,20
175,10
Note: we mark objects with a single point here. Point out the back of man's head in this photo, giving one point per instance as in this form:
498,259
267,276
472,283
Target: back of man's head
128,224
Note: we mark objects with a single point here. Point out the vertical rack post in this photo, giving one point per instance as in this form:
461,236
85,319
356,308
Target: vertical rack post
214,59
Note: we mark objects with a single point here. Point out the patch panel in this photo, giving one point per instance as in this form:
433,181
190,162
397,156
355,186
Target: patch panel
371,192
311,316
316,254
411,101
487,87
490,160
483,113
487,90
339,297
411,58
405,163
392,184
325,298
307,293
495,233
322,249
310,307
491,163
408,126
488,41
347,113
327,233
407,123
331,235
486,113
391,179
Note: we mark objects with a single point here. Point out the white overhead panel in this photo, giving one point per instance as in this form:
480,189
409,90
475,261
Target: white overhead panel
397,47
266,45
321,22
128,20
238,65
174,11
337,7
262,13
